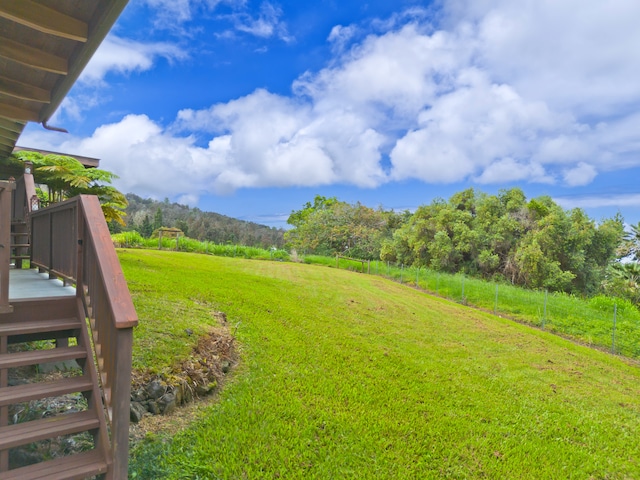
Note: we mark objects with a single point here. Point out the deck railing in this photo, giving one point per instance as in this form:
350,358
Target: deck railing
71,240
24,201
25,198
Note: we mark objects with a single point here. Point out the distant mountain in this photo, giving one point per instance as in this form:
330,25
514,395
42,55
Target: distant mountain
144,215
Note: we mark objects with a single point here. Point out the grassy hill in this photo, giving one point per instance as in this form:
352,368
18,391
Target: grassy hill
346,375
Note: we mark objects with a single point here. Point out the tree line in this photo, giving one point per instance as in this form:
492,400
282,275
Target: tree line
147,215
505,237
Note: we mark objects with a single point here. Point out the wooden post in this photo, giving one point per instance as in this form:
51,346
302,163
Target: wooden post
121,394
6,187
4,411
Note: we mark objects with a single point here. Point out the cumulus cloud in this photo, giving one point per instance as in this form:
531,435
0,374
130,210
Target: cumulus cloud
125,56
581,174
497,92
508,170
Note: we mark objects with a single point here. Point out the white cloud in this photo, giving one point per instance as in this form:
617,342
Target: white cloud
573,54
599,201
188,199
266,23
173,14
341,35
115,55
508,170
125,56
581,174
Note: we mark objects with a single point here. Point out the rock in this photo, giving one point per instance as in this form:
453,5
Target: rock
178,392
155,389
136,411
64,366
20,457
140,395
154,408
167,403
225,366
202,390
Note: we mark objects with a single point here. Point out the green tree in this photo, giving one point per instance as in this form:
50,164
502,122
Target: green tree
157,219
146,229
623,280
63,177
329,227
534,243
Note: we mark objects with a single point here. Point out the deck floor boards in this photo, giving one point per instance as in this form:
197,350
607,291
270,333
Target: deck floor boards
25,284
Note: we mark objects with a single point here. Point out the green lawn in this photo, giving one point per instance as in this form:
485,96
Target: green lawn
346,375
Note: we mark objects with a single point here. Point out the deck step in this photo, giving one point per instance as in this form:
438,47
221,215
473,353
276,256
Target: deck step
33,391
39,326
72,467
35,357
24,433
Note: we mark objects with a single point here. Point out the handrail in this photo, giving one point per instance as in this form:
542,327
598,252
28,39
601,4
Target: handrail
71,239
97,233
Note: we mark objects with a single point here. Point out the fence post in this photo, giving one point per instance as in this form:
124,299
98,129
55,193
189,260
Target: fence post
368,267
495,303
401,272
544,314
337,262
462,289
387,268
613,335
160,240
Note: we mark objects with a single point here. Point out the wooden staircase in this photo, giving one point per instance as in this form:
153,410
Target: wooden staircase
20,242
34,322
68,241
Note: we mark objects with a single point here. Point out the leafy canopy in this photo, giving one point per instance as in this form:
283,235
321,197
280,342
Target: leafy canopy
61,177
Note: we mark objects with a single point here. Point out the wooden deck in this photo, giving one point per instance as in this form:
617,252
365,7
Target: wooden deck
26,284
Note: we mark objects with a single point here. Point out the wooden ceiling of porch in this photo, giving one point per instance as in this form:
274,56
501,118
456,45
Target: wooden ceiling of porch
44,46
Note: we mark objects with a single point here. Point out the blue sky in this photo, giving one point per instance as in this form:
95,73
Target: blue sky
251,108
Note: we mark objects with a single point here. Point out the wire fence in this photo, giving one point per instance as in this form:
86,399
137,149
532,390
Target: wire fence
604,322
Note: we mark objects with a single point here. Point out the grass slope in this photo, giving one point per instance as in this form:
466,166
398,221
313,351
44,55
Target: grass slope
353,376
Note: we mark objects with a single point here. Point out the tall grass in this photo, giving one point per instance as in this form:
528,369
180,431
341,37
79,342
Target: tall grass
354,376
186,244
